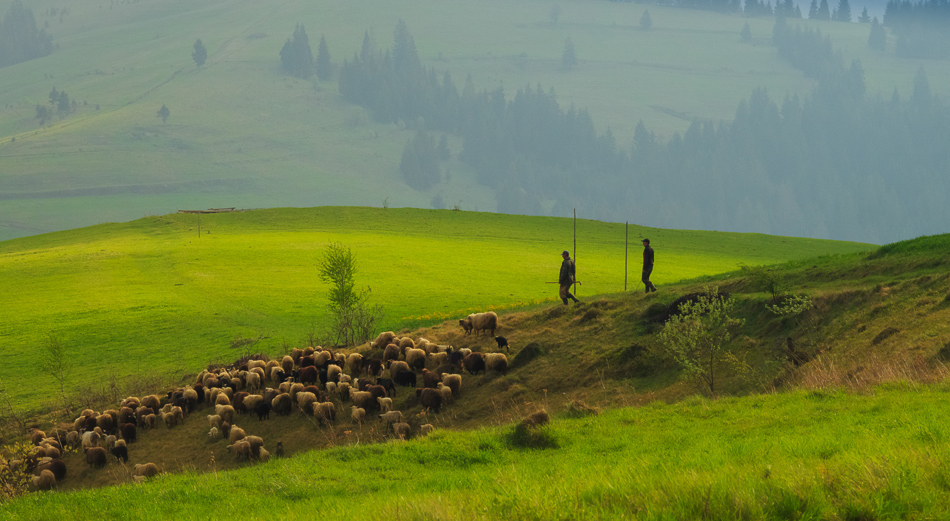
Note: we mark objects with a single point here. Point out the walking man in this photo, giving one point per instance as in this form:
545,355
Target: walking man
566,278
647,265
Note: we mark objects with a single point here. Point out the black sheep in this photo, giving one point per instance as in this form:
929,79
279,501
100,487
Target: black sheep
502,342
387,384
128,431
263,411
406,379
473,363
121,452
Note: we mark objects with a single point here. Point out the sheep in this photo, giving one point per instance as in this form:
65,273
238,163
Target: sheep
473,363
126,415
226,412
390,353
150,421
238,402
236,434
322,358
214,420
343,388
374,367
222,399
331,388
364,400
383,340
430,399
345,378
254,380
324,411
496,362
282,404
263,456
308,375
152,402
483,322
305,401
58,468
90,439
110,442
131,402
357,414
146,470
120,451
416,358
252,401
426,429
446,392
378,391
430,379
401,430
105,422
45,480
255,443
241,449
213,433
454,382
355,363
73,439
439,359
141,413
502,342
333,373
262,410
396,371
170,419
279,451
128,432
96,456
287,364
466,324
294,389
391,417
385,404
425,345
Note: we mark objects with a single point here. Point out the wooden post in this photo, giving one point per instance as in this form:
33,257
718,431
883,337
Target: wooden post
575,249
626,245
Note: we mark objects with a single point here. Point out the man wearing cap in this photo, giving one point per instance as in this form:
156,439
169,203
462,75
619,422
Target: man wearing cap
647,265
566,278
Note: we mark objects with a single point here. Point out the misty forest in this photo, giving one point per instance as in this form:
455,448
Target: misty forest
834,161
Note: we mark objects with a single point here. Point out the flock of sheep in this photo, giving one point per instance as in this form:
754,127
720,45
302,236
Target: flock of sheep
316,382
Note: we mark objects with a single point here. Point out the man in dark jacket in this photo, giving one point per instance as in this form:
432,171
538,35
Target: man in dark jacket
566,278
647,265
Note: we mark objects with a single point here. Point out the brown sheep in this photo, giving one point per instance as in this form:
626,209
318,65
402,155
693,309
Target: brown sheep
45,480
146,470
454,382
430,379
430,399
383,339
496,362
473,363
416,358
96,457
390,353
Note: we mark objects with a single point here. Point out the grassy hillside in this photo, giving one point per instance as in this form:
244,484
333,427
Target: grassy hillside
243,134
152,297
843,446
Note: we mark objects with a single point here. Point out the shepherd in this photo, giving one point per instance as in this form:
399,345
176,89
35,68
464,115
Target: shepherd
566,278
647,265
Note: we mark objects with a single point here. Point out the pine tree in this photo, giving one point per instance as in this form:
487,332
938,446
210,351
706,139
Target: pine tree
843,11
568,57
878,38
20,40
323,66
163,113
823,12
864,18
813,10
296,56
200,54
646,23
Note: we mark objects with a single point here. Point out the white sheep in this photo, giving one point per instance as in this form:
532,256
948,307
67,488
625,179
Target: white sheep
426,429
357,414
213,433
236,434
391,417
263,455
385,403
214,420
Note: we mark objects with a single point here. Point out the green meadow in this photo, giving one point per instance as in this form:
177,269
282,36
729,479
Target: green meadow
151,296
243,134
817,454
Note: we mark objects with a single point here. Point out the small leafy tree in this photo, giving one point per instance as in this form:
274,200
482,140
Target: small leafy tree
697,338
54,361
163,113
354,320
200,54
766,279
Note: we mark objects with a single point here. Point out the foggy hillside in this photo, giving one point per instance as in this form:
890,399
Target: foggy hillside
723,119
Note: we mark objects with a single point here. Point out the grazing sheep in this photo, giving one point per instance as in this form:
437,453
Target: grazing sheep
241,449
96,457
438,359
357,414
308,375
306,361
45,480
141,413
213,433
384,339
446,392
74,439
294,389
120,451
430,399
390,353
333,373
305,401
430,379
502,342
214,420
345,379
222,399
90,439
251,402
58,467
331,388
152,402
282,404
344,389
385,404
454,382
170,419
473,363
146,470
236,434
322,358
126,415
483,322
279,451
466,324
128,432
416,358
324,411
150,421
355,363
238,402
254,380
426,429
364,400
256,443
263,456
262,410
400,374
226,412
378,391
496,362
391,417
287,364
401,430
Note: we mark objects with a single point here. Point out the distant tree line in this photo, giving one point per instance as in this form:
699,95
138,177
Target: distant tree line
832,164
922,29
59,101
20,40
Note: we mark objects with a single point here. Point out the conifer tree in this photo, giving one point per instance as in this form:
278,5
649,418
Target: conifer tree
568,57
200,54
646,23
843,11
323,66
878,38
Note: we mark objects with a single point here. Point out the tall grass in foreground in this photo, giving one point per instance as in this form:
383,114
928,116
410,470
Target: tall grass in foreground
803,455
